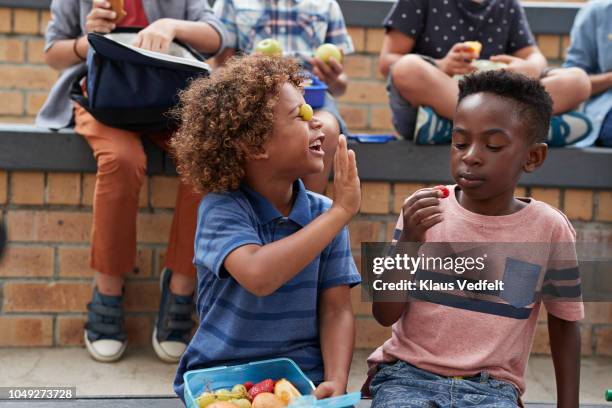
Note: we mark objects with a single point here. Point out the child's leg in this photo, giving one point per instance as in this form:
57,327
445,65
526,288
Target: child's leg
331,129
422,83
403,385
121,169
568,88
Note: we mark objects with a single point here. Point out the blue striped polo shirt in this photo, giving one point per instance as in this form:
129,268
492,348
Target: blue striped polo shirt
238,327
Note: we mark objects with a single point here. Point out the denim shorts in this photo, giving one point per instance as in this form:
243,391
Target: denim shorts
402,385
331,106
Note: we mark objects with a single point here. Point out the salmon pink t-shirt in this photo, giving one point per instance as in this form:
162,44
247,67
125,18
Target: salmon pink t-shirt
466,338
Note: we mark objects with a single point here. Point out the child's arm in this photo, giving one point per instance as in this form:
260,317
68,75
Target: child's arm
158,35
332,73
419,213
565,348
263,269
337,334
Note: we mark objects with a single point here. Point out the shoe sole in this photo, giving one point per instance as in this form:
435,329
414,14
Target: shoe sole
163,356
99,357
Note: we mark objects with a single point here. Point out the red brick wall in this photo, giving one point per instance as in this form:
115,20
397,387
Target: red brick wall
45,279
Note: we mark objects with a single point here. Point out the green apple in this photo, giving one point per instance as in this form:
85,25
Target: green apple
270,47
327,51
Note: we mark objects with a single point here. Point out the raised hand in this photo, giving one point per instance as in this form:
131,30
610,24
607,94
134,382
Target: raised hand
347,188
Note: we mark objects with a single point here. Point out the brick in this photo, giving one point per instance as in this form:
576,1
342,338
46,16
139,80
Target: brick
360,307
88,187
375,197
163,191
3,186
49,226
141,296
26,77
74,263
358,66
45,17
11,50
578,204
11,119
27,187
354,116
381,118
565,43
541,341
520,192
154,228
364,231
35,101
604,208
550,46
548,195
46,297
143,196
365,92
139,329
401,192
70,330
374,40
6,20
25,21
603,341
598,312
11,103
64,188
586,340
160,259
26,331
357,34
27,262
370,334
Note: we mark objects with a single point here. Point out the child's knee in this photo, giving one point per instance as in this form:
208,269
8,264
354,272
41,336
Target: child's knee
410,72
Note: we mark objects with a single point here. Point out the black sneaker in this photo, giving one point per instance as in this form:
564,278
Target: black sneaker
105,336
174,323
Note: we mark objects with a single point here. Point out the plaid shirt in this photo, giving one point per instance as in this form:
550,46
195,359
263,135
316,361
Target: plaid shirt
299,25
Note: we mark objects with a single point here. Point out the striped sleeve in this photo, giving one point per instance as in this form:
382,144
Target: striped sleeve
561,288
225,11
336,30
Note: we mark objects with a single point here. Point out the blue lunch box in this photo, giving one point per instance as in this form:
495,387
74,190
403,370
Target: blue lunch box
211,379
314,94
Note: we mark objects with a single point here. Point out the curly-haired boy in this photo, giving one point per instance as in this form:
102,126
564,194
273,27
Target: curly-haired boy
273,259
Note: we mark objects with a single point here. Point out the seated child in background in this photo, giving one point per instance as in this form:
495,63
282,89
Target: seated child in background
425,46
300,27
500,123
273,259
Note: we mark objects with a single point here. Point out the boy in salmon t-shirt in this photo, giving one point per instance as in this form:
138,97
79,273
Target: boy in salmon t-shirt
452,351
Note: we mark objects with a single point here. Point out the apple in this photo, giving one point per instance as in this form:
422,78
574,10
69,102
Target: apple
270,47
327,51
476,46
306,112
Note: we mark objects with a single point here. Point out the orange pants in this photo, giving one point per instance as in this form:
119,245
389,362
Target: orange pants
121,171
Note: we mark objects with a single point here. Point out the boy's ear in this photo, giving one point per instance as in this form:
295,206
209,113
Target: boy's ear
535,157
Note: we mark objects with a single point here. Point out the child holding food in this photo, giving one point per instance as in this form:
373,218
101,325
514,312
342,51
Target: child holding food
473,350
121,162
273,259
299,29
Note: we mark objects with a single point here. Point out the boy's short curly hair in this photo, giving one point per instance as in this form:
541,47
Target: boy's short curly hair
226,117
531,101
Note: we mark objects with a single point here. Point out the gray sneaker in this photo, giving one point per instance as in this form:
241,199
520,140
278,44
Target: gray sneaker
105,336
174,323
